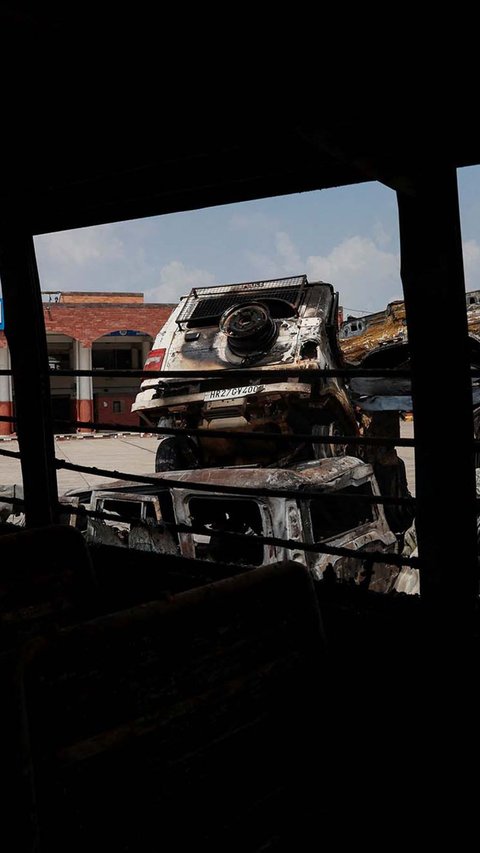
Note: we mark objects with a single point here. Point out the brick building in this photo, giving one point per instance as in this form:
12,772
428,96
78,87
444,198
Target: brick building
89,330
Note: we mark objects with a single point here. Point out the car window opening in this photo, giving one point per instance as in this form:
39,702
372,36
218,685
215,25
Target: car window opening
216,516
333,517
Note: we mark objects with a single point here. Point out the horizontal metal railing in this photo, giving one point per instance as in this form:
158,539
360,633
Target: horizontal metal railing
282,438
171,482
305,375
287,544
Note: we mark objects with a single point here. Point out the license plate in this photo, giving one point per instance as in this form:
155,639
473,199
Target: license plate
231,393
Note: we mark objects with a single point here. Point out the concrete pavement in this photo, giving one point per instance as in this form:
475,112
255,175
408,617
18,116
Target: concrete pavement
132,453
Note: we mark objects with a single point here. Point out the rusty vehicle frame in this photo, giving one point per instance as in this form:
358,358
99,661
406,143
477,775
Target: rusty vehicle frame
380,340
249,502
256,328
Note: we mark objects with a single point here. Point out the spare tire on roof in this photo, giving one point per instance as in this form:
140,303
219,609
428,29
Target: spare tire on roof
249,328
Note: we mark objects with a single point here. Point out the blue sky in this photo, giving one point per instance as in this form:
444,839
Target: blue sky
347,236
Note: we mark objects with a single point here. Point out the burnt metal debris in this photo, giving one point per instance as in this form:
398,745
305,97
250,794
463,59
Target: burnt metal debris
380,340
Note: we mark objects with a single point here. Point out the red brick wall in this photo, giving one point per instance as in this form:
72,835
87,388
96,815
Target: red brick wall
97,296
87,322
103,409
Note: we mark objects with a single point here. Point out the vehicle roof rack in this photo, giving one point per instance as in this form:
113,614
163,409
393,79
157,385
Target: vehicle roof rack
206,304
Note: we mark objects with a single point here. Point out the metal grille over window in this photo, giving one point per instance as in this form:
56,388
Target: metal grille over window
207,304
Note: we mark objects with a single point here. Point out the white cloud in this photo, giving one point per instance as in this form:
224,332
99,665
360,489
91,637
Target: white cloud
287,252
363,268
354,259
361,272
177,280
264,266
471,262
283,261
382,237
79,247
366,276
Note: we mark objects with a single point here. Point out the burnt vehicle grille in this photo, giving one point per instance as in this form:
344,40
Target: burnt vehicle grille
206,305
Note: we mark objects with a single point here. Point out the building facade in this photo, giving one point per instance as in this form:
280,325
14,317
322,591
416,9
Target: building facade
85,331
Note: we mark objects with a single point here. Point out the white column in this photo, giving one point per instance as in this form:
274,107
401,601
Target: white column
83,361
6,397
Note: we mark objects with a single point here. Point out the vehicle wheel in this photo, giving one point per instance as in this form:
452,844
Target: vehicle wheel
176,454
167,455
326,451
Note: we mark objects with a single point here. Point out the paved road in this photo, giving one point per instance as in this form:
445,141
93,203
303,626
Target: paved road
134,454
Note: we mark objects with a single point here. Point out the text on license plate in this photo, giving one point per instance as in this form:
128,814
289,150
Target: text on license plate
231,393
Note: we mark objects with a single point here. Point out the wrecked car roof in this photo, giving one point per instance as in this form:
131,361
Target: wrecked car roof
322,473
359,337
380,340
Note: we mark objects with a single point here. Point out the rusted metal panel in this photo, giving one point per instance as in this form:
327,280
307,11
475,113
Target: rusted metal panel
360,336
381,340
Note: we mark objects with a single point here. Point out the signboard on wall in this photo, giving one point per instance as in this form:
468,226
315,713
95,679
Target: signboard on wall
122,333
2,323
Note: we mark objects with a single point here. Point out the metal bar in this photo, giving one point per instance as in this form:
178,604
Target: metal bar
290,544
25,332
249,435
434,289
216,433
312,373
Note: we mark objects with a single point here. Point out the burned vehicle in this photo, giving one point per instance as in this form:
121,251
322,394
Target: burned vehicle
326,501
359,336
380,340
256,328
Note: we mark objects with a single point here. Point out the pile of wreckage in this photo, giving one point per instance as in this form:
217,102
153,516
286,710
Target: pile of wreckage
252,468
247,415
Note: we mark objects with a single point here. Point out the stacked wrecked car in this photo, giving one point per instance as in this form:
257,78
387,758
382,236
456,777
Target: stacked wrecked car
254,348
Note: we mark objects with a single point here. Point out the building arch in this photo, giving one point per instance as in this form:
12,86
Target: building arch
108,330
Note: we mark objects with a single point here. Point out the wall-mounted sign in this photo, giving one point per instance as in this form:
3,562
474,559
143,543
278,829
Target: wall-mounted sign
2,322
123,332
